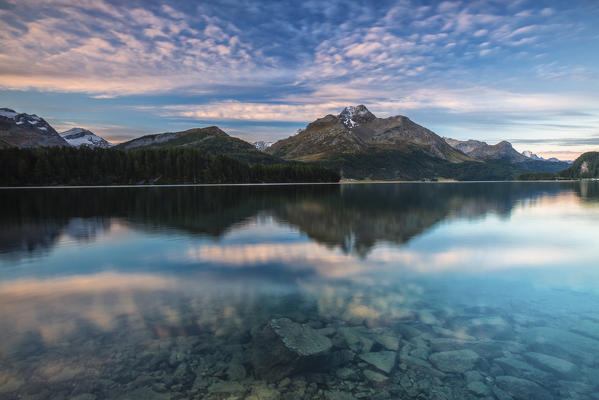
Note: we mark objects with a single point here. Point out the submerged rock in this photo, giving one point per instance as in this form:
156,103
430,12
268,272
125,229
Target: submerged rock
284,346
587,328
413,363
485,347
236,372
358,338
226,387
456,361
300,339
490,327
383,360
560,343
478,388
144,394
337,395
522,389
473,376
552,364
516,367
389,342
375,376
263,392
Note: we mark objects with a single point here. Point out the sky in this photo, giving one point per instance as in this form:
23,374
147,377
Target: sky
525,71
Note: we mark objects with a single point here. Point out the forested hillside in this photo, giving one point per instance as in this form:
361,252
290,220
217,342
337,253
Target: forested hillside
83,166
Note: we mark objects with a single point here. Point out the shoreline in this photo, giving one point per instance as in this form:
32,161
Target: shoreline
281,184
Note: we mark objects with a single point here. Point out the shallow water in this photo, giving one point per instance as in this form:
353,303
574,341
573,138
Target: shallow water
427,291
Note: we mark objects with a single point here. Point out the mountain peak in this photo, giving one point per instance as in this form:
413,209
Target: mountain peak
78,137
353,116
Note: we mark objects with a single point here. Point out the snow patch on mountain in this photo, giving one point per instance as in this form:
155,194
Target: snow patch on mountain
8,113
262,145
353,116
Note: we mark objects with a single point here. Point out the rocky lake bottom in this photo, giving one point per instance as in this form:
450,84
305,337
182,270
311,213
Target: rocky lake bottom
354,350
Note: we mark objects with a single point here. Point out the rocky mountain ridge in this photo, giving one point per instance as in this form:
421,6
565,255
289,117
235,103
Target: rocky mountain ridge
483,151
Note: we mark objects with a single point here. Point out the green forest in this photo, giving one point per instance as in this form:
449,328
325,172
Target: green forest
84,166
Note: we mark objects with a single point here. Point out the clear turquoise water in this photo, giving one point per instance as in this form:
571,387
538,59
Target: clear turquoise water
425,290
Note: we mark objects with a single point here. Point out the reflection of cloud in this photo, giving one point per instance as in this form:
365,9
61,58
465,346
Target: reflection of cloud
56,307
481,259
331,264
99,283
264,253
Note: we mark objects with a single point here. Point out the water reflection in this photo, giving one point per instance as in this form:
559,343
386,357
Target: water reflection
335,292
352,217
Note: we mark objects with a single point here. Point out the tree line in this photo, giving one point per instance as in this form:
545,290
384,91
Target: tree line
84,166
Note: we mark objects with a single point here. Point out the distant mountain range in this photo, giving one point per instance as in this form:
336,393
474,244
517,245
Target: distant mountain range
360,145
29,130
533,156
355,143
500,151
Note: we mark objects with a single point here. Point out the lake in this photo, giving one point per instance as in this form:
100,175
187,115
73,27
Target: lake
352,291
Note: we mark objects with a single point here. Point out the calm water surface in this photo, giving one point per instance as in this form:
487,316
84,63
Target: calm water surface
379,291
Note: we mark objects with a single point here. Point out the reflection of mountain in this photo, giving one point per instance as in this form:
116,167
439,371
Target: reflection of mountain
353,217
32,236
359,216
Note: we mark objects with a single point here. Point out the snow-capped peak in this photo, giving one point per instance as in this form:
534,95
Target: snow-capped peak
77,137
530,154
353,116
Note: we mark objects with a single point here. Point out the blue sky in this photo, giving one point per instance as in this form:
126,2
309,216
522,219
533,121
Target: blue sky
526,71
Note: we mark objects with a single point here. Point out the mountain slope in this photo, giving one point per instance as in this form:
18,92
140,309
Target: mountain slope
360,145
211,140
26,130
77,137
